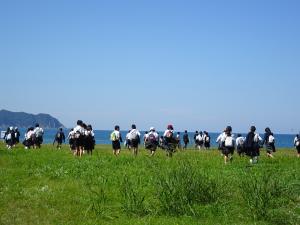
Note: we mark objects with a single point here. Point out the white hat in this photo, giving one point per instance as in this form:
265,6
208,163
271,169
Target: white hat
152,129
11,128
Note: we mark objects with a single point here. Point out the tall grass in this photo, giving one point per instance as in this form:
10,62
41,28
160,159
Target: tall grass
181,190
268,197
132,198
194,187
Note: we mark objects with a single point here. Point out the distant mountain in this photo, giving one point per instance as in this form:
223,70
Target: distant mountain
25,120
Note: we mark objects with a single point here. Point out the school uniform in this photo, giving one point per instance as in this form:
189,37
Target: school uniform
116,144
297,144
134,137
71,138
251,144
206,141
79,136
240,145
219,140
151,141
89,143
38,139
228,144
270,146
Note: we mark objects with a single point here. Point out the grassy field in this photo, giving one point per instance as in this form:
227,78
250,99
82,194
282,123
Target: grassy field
50,186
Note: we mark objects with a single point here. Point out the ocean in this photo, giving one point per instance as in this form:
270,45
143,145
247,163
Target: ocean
103,137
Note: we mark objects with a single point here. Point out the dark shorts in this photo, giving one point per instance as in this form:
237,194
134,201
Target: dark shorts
151,145
240,149
298,149
134,143
79,142
227,150
38,140
116,145
207,145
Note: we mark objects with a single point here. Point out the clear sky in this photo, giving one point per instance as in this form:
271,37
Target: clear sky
195,64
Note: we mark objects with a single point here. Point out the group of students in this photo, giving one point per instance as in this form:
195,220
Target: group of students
81,139
33,137
249,145
11,137
168,142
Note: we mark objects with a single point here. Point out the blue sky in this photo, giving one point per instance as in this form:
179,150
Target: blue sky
195,64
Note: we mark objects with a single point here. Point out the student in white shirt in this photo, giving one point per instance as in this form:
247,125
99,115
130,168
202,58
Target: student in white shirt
89,140
228,145
206,139
39,132
79,136
151,141
219,138
116,140
170,141
297,144
71,137
239,143
135,139
251,145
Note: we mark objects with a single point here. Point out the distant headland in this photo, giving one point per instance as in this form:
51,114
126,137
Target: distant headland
25,120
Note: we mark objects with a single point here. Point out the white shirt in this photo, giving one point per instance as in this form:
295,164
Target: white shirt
117,134
220,137
199,137
89,132
79,129
38,130
240,140
71,135
257,138
127,136
296,140
131,134
225,136
167,131
29,134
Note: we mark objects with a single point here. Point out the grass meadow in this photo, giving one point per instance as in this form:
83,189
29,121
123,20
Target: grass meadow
50,186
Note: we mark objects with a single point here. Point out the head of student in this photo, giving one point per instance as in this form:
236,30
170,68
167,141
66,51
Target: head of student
170,127
133,126
79,122
228,130
252,129
239,135
37,125
185,131
178,132
268,130
152,129
117,128
60,129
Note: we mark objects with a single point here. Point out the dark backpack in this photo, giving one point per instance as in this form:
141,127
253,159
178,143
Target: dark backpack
249,142
151,138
